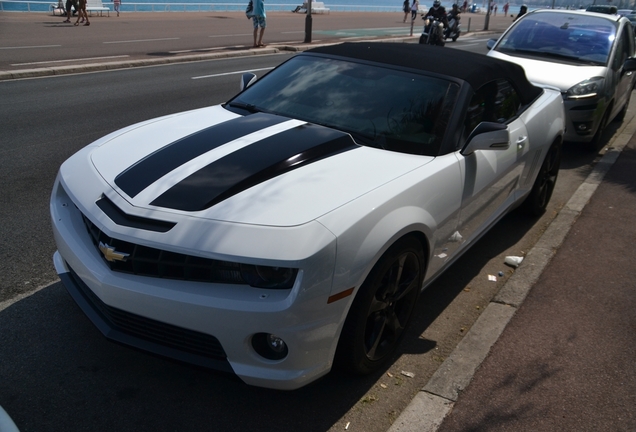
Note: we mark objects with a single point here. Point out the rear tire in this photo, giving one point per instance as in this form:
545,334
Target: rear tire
382,308
539,197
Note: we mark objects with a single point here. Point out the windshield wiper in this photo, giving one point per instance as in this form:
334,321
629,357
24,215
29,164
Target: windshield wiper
367,140
246,106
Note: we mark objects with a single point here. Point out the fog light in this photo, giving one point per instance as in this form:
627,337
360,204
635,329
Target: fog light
269,346
583,128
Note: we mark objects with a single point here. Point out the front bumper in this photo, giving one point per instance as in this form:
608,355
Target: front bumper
136,331
205,324
583,119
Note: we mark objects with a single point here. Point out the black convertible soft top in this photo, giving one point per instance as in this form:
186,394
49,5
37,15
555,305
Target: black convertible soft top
475,69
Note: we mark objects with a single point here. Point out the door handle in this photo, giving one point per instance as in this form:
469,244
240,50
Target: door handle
521,141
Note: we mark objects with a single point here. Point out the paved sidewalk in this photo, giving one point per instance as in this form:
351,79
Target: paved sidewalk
565,359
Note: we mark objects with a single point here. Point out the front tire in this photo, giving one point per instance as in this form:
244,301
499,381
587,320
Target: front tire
382,308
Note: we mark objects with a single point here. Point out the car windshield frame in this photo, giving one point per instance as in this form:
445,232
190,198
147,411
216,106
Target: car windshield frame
567,38
378,105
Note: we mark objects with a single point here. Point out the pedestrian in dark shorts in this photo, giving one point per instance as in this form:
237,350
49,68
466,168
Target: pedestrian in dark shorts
81,13
69,12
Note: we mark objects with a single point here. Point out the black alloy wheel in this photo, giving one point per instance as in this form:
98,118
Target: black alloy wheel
539,197
382,309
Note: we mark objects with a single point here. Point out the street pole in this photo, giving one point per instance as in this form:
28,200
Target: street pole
308,23
487,20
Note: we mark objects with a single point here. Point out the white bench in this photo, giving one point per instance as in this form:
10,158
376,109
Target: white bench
58,8
57,11
316,8
96,6
319,7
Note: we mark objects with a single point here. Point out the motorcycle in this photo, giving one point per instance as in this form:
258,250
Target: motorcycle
454,28
433,33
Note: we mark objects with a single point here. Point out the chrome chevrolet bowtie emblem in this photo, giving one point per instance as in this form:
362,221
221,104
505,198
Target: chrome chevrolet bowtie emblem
111,254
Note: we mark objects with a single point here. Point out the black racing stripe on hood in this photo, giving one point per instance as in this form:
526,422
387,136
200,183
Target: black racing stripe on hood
254,164
154,166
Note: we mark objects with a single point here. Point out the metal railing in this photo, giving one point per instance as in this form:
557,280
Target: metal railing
45,6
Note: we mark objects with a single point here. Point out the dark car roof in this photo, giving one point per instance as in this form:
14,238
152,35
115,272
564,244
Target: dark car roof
475,69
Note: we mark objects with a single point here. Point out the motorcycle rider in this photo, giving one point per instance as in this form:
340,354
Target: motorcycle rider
453,15
437,11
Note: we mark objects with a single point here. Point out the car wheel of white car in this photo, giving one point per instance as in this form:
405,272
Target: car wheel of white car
539,197
382,309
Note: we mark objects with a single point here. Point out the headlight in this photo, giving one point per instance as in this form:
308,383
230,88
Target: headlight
268,277
588,88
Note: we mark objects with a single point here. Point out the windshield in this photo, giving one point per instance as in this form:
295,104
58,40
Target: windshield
379,107
562,37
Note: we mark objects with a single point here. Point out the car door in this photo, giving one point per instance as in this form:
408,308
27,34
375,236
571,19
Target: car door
491,177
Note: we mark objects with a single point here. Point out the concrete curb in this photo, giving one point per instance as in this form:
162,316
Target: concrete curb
429,407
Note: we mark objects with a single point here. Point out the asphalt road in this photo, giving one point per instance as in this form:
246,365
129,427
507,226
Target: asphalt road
58,373
39,40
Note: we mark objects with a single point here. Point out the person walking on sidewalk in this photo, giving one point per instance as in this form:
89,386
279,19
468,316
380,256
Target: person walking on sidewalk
414,8
69,13
117,3
81,13
259,20
406,8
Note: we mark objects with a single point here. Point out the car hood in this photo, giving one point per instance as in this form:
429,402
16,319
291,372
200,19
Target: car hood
258,169
547,73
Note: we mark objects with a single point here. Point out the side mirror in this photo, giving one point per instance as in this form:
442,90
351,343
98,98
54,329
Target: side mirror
247,79
487,136
491,43
629,65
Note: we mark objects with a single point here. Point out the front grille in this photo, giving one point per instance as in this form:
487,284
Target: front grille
167,335
152,262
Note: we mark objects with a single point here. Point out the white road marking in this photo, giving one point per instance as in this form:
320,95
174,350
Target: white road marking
141,40
5,304
27,47
240,34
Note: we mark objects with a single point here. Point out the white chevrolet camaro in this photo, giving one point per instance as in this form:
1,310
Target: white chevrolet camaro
292,228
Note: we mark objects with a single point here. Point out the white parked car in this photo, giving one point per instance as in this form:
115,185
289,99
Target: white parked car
295,225
587,56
